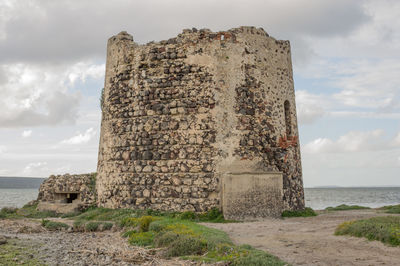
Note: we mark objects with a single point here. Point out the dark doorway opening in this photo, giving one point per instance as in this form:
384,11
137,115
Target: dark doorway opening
71,197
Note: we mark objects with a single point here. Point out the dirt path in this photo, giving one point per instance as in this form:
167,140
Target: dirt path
310,241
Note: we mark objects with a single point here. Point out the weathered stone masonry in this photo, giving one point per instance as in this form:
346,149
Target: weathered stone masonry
67,193
183,115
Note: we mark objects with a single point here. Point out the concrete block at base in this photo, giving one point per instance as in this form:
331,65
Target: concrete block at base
252,195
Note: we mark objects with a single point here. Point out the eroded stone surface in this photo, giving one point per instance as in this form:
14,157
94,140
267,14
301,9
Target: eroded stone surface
179,114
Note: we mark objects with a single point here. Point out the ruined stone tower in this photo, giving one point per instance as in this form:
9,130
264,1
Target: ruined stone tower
202,120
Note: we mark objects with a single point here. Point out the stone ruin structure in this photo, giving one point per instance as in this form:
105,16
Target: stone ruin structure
67,193
205,119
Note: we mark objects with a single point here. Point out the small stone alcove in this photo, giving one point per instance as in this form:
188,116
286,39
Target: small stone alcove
287,118
66,197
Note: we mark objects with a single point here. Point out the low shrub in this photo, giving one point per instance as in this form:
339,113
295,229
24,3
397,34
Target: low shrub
307,212
157,226
392,208
345,207
144,222
385,229
188,215
186,245
79,226
129,233
141,238
214,216
54,226
165,238
70,215
92,226
258,258
128,222
6,212
107,226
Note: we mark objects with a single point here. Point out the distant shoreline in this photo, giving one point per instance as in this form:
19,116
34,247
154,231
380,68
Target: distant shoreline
334,187
35,177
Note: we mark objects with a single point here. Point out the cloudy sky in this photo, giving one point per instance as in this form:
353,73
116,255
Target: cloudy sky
346,57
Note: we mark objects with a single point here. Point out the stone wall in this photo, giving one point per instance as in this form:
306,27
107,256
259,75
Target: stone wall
179,114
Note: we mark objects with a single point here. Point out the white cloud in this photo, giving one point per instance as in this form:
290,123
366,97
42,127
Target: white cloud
353,141
80,138
34,95
26,133
369,83
367,88
360,114
82,71
309,107
396,141
72,30
3,149
36,168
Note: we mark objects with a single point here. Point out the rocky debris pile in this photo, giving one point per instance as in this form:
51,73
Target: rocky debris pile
3,240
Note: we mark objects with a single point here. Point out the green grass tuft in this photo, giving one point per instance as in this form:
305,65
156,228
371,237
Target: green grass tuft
92,226
307,212
141,238
213,216
157,226
164,239
107,226
144,222
345,207
392,208
258,258
186,245
385,229
54,226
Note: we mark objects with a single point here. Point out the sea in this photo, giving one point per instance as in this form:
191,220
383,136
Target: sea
17,191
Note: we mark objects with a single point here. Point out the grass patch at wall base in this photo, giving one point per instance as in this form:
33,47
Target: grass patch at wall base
385,229
307,212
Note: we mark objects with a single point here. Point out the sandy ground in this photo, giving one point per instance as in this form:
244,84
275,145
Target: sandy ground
310,241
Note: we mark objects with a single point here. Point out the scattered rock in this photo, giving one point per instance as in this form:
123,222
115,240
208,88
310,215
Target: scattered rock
3,240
